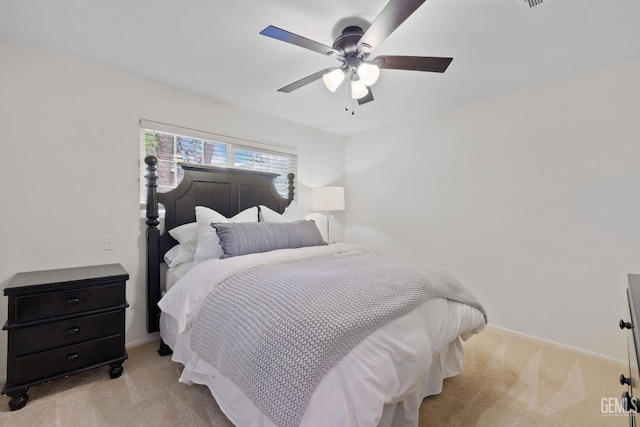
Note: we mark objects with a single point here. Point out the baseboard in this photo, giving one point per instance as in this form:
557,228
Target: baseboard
565,346
150,338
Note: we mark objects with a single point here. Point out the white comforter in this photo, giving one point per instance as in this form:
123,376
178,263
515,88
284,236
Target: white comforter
382,381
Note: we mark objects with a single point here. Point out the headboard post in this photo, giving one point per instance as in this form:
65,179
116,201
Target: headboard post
153,246
290,186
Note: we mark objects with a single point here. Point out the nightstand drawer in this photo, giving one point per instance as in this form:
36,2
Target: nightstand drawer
66,332
52,304
46,364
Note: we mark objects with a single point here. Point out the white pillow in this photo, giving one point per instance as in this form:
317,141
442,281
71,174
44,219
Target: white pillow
291,213
186,234
208,245
179,254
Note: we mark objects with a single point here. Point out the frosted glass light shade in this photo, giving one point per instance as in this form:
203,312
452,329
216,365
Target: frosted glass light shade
368,73
358,89
333,79
327,199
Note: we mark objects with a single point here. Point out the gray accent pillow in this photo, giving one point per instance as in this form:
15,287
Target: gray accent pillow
244,238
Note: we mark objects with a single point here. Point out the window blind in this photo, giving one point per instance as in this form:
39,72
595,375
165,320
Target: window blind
174,144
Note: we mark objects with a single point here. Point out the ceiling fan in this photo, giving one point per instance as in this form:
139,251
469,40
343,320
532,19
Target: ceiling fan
353,47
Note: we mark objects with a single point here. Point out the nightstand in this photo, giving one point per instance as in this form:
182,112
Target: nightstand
61,322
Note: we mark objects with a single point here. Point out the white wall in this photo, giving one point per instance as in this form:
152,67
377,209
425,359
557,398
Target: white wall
69,169
532,198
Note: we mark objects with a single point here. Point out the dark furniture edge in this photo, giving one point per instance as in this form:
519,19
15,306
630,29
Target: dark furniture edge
23,282
633,297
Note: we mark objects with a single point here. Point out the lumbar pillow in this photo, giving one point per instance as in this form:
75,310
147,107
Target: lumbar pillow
247,238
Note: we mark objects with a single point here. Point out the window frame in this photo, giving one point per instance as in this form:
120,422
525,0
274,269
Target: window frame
232,144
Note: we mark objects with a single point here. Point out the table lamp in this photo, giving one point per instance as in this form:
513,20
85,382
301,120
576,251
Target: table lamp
327,199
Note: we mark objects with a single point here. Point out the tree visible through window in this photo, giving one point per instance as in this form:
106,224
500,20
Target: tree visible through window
172,149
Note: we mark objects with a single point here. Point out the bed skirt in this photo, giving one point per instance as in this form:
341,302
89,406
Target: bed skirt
442,359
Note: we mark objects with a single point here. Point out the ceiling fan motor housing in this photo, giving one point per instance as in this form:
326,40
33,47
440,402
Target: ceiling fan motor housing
347,42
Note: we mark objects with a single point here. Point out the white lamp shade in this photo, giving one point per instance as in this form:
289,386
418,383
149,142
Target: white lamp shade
358,89
368,73
333,79
327,199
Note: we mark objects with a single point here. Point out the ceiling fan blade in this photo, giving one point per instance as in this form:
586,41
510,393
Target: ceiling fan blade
415,63
306,80
393,14
286,36
367,98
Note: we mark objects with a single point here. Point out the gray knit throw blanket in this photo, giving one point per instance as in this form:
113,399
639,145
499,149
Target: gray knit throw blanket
276,330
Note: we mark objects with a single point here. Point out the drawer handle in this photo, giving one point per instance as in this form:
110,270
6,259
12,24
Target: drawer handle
625,380
624,324
73,331
73,357
73,301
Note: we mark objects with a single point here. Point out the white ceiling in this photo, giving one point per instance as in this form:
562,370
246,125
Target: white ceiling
213,47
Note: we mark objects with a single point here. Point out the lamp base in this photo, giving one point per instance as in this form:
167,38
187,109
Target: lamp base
328,217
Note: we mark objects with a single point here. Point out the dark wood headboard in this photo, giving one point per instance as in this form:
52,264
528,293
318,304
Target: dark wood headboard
225,190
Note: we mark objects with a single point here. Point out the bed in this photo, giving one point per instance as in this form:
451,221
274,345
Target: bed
284,329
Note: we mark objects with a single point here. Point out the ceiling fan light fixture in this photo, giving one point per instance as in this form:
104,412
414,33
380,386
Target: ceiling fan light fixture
352,48
358,89
333,79
368,73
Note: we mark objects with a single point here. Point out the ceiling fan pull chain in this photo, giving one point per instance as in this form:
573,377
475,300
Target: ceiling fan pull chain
349,102
346,98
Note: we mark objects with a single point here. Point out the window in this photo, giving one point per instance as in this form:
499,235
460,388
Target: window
173,145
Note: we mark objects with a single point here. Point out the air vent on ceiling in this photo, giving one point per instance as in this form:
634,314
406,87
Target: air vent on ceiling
530,4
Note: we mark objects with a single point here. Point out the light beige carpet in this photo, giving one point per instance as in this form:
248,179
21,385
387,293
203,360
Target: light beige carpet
508,380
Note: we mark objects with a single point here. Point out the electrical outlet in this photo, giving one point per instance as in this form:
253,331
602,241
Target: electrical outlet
109,243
